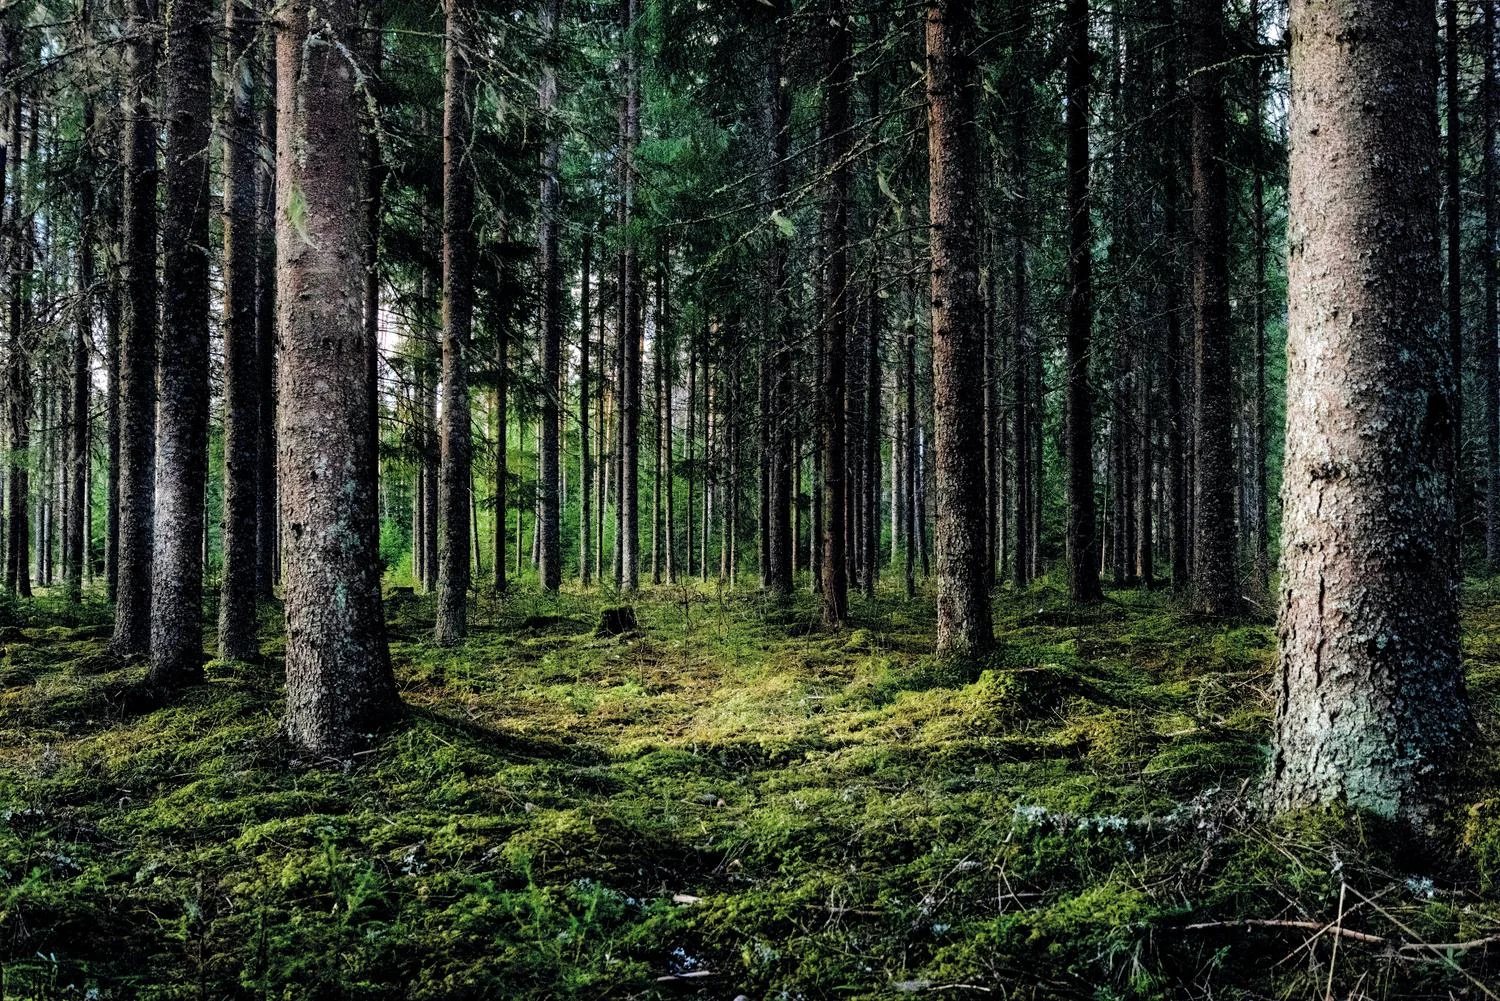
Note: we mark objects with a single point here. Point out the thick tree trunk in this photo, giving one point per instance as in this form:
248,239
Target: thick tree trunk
502,456
338,671
1216,588
182,373
1371,709
458,316
837,121
1082,544
958,345
138,341
237,596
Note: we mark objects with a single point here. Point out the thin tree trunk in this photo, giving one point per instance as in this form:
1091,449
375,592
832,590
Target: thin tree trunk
585,467
78,515
1489,356
267,523
549,268
454,570
1215,547
836,132
132,633
237,595
1083,555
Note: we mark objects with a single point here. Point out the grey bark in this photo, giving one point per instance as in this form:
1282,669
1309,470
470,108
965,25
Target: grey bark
454,567
339,683
1371,708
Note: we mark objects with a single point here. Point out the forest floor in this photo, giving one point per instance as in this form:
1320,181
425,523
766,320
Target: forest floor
730,802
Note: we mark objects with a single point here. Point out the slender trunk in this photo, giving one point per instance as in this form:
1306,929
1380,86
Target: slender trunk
1453,201
454,569
237,596
1022,346
910,339
585,467
630,325
1216,549
267,523
138,341
692,469
1083,555
836,131
1489,357
549,267
78,515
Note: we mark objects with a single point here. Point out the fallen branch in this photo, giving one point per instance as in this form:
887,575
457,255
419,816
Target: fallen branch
1356,936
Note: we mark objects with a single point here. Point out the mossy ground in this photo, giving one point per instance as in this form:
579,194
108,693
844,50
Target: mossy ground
731,798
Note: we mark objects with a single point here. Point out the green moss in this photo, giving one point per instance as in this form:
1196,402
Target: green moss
806,814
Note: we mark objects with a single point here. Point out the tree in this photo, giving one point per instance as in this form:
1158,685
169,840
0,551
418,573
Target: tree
549,266
1082,542
1215,548
137,402
182,372
837,123
458,317
958,329
238,592
1371,709
338,671
79,516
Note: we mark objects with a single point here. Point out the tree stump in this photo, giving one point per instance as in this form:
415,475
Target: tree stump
617,622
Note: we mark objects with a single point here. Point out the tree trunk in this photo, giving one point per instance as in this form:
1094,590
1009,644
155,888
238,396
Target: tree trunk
1215,548
1260,500
837,121
1022,346
502,455
78,515
1083,554
237,596
338,671
630,320
1489,357
458,316
549,268
138,341
1371,709
585,467
1454,205
267,522
781,544
958,347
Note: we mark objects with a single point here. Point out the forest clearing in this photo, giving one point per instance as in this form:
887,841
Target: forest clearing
763,499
